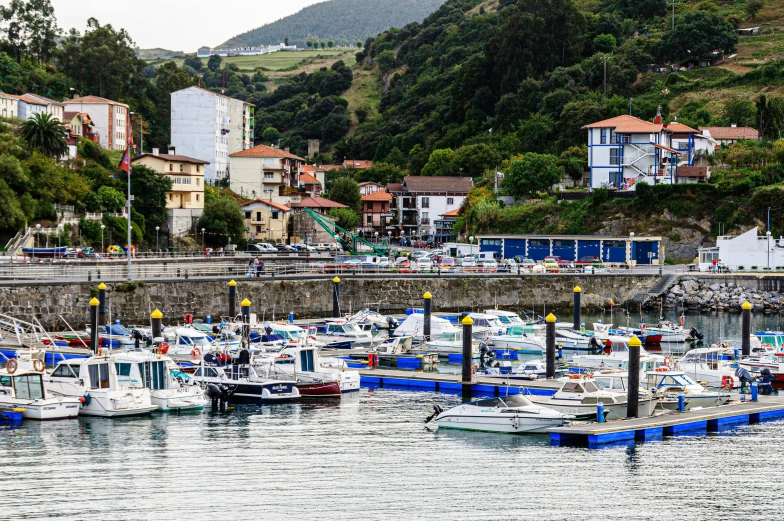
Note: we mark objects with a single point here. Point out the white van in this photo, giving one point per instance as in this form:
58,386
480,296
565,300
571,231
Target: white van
488,255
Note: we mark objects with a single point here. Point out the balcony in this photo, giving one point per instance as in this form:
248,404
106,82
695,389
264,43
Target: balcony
287,191
424,221
409,222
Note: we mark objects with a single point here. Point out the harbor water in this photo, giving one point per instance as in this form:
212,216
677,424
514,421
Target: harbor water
369,456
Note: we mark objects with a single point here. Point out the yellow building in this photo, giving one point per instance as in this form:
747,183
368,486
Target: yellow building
266,220
185,202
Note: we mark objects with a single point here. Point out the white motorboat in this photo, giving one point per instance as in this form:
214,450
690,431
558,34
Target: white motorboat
712,366
303,364
187,341
572,341
514,414
242,384
95,380
521,338
22,387
579,396
619,360
414,326
528,370
340,333
487,324
450,341
139,369
507,319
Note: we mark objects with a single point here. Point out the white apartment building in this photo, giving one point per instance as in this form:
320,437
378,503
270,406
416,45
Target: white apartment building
28,107
55,108
110,119
241,125
9,105
625,150
748,249
418,202
202,127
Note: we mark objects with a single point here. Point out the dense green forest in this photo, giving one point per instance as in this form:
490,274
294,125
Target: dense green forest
343,21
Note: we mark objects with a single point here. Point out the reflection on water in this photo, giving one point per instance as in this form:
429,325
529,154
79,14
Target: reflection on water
369,456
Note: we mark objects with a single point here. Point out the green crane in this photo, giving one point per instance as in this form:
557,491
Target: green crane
347,240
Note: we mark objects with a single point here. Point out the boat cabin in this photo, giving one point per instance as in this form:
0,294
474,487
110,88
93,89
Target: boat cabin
92,373
152,374
514,400
506,318
25,386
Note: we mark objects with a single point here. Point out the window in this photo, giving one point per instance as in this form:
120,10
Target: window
171,198
29,387
425,202
197,170
275,215
123,369
181,170
197,198
614,156
66,371
198,181
99,376
613,137
258,216
269,176
258,229
450,200
603,136
171,167
370,219
247,215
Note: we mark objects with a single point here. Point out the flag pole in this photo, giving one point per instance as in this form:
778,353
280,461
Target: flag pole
128,167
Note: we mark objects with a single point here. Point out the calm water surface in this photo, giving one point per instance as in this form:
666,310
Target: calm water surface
369,456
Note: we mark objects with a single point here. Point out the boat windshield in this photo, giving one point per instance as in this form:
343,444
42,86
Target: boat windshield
676,380
117,329
66,371
515,400
449,336
288,334
29,387
775,340
194,341
520,330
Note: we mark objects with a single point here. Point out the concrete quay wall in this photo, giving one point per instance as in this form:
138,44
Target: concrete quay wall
311,297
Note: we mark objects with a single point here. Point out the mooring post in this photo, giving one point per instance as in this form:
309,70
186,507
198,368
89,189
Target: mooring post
94,302
245,310
428,299
232,299
600,412
754,391
745,329
336,297
550,345
577,293
633,393
102,304
156,318
468,329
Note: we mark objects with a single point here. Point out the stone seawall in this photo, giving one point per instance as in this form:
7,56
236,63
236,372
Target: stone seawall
727,292
311,298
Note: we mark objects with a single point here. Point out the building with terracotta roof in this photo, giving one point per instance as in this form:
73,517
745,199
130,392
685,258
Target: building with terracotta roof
357,164
309,183
418,200
315,204
729,135
268,172
30,106
368,187
110,119
210,126
9,105
376,213
185,201
626,150
53,107
266,220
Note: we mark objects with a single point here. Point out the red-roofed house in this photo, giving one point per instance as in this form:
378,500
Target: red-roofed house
376,213
729,135
302,227
625,150
418,200
109,118
268,172
266,220
357,164
368,187
309,180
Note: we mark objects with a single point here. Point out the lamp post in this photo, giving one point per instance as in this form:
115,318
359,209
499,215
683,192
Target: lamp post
37,238
472,244
157,229
141,132
768,234
102,228
202,238
377,239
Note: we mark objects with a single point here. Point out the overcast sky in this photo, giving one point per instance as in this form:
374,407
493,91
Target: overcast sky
178,25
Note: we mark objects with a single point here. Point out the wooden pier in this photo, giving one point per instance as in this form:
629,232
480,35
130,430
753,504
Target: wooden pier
440,382
709,419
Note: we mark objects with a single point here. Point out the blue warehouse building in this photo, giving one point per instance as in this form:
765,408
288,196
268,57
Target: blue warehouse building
632,250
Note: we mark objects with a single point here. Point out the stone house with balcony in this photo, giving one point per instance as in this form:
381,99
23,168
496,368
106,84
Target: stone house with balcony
376,216
266,172
624,151
265,220
185,201
418,201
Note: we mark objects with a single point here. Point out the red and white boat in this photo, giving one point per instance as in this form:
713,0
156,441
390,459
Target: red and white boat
315,377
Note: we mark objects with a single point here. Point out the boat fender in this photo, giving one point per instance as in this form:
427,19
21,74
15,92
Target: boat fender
47,342
643,327
11,366
188,318
163,348
196,353
38,365
668,361
681,320
86,399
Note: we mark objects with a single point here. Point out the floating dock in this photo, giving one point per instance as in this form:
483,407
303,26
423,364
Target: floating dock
710,419
441,382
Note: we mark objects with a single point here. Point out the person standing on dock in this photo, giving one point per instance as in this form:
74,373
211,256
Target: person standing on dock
251,268
261,267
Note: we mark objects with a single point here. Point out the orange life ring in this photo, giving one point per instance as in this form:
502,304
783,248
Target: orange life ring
163,348
681,320
196,353
11,366
668,361
727,382
574,376
188,318
38,365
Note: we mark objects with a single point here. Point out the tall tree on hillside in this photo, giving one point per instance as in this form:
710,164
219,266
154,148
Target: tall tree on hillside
770,117
346,191
103,61
45,134
30,29
214,62
697,34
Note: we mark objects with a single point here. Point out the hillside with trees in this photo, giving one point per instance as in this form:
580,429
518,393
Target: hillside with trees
344,22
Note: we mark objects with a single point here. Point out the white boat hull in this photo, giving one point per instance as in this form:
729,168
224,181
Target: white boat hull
505,425
524,345
182,399
59,408
711,377
614,411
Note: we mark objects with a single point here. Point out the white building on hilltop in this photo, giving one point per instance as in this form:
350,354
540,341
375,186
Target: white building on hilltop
748,249
209,126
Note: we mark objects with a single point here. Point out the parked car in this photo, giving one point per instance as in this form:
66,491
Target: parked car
322,246
285,248
527,262
424,264
260,247
447,263
420,244
588,260
487,264
468,262
551,263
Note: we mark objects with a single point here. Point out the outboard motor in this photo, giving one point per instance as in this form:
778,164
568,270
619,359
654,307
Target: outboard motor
595,345
765,381
391,322
696,335
436,411
215,329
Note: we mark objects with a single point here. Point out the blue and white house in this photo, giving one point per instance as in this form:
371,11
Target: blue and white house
631,249
625,150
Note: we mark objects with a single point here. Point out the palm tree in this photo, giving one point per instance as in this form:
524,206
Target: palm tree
45,134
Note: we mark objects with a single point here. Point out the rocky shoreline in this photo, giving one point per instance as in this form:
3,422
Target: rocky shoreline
719,295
